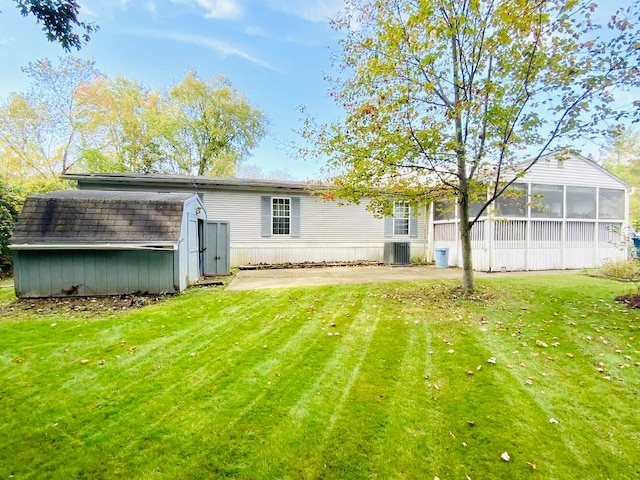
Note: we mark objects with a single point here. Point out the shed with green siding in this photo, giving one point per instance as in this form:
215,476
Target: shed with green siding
85,243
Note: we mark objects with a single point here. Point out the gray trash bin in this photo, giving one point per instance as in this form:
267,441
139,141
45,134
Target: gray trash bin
442,257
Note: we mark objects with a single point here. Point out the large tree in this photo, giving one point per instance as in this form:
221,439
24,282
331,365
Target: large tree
216,126
41,131
448,97
60,22
74,118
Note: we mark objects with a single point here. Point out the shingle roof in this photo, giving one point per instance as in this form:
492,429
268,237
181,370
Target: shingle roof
191,182
96,217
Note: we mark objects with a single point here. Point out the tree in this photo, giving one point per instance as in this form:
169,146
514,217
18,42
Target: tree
59,19
41,132
216,127
127,124
451,97
622,158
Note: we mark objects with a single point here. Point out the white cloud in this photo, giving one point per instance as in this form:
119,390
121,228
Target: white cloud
223,48
216,8
254,31
315,11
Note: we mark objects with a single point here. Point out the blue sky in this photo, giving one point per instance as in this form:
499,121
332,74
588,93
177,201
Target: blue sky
275,52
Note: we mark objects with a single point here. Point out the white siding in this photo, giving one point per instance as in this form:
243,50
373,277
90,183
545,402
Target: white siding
329,232
576,171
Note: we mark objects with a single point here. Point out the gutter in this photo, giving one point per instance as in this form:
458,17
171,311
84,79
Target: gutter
97,246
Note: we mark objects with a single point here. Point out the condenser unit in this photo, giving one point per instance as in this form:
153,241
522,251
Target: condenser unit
397,253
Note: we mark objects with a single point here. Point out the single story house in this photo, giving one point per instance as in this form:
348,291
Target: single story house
84,242
571,213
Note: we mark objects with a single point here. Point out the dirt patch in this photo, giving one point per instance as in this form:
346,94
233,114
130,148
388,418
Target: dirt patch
631,300
79,305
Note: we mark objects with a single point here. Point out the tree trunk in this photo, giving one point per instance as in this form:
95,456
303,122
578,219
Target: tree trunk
468,281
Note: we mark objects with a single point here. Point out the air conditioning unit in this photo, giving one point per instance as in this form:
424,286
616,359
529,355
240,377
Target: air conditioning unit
397,253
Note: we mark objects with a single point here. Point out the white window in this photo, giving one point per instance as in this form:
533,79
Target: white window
401,217
281,216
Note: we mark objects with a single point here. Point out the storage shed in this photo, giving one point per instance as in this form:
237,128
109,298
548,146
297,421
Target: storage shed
83,243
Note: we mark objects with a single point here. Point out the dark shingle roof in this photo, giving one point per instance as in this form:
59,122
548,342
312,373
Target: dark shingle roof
96,217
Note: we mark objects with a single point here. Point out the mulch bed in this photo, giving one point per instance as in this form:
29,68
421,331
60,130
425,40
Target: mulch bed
75,305
631,300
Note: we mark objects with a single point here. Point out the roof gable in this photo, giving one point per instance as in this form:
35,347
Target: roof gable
96,217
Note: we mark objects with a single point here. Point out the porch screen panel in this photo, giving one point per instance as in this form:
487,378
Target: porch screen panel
580,234
546,201
477,232
609,234
546,234
611,204
444,232
510,234
513,202
581,202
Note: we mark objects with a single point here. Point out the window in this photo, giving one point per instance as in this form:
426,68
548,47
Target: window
281,216
513,201
611,203
581,202
401,216
546,201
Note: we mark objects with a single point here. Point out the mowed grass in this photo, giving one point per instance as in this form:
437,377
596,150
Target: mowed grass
351,381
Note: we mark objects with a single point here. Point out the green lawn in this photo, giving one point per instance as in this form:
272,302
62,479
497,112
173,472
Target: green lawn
351,381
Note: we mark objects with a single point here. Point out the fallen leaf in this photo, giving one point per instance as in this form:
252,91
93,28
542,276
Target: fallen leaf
84,361
451,351
533,467
540,343
469,372
264,346
436,387
505,456
528,381
570,355
101,362
553,420
54,324
492,360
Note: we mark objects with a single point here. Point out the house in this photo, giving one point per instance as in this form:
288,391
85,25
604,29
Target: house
280,222
570,213
566,212
80,243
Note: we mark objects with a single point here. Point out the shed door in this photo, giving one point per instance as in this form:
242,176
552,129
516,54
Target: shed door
216,254
194,250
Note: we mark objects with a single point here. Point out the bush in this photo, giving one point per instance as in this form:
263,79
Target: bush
10,201
622,269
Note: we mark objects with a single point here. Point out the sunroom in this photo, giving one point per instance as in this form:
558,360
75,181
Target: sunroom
563,214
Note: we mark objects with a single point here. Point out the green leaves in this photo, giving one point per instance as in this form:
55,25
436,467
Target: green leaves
438,93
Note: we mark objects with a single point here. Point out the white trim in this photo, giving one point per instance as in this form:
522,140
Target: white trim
274,234
98,246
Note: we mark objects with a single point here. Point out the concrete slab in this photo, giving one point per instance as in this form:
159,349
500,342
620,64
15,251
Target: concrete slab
298,277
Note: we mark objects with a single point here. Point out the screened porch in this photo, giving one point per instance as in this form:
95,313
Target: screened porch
540,227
